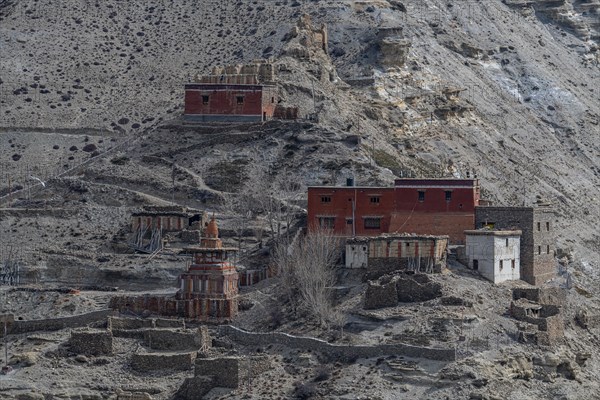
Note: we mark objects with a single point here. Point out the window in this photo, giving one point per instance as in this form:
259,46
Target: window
325,199
513,264
448,195
327,222
205,99
548,226
372,223
272,99
476,264
501,264
421,195
375,200
539,226
240,99
539,249
349,222
547,249
506,242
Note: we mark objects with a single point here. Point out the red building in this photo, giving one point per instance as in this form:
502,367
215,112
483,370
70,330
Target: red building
421,206
225,102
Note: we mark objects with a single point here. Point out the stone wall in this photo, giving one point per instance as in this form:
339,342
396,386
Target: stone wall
346,353
91,343
554,295
223,371
144,362
56,324
389,290
168,339
129,323
381,294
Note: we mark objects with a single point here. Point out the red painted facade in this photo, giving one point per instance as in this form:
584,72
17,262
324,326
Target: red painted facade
421,206
229,102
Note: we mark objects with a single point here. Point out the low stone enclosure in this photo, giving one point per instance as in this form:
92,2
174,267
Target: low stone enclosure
540,311
335,352
389,290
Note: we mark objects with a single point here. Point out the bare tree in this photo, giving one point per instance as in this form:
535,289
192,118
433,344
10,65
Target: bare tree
307,271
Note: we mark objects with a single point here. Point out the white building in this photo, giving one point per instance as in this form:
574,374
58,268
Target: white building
357,253
494,253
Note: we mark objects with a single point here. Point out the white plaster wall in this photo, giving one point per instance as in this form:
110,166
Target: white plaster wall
357,255
507,254
489,250
481,248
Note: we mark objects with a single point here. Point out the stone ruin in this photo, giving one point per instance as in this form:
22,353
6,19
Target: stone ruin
91,343
389,290
255,73
306,40
540,311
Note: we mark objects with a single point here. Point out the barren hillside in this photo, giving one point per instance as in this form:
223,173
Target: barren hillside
91,97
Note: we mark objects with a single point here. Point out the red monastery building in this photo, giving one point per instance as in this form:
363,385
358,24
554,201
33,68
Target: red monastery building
421,206
238,93
209,289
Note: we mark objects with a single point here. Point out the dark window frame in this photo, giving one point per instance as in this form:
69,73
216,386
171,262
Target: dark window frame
326,222
372,223
421,195
205,99
325,199
448,195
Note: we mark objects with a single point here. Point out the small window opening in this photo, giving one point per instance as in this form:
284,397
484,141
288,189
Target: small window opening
375,200
349,222
372,223
272,99
513,264
205,99
501,264
547,249
448,195
475,264
506,242
548,226
240,99
325,199
539,249
421,195
539,226
327,222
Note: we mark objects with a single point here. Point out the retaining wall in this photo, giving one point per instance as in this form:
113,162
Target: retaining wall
156,361
335,352
91,343
56,324
166,339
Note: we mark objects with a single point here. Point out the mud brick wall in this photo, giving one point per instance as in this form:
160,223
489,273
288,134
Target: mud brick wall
346,353
537,238
168,339
144,362
223,371
91,343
